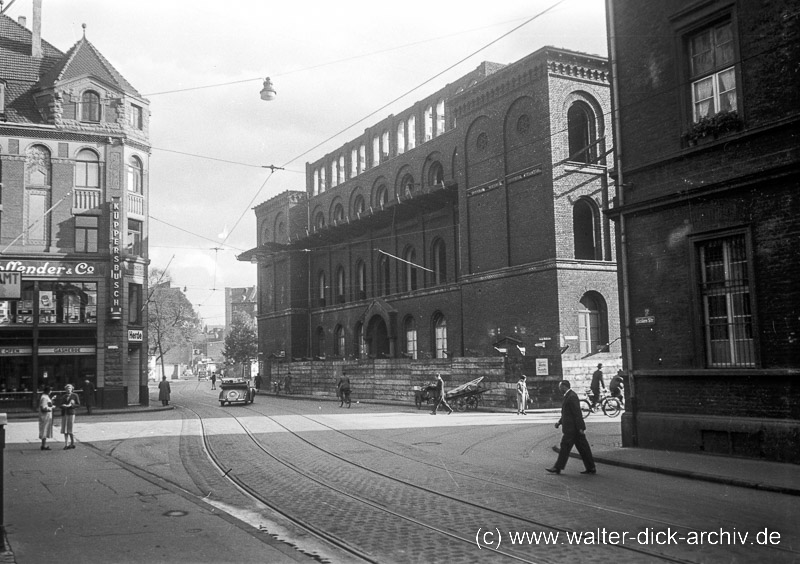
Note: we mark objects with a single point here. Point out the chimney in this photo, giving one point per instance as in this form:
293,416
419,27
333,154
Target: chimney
36,39
23,21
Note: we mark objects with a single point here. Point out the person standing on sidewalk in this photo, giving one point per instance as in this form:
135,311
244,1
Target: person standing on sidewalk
573,429
69,403
439,396
597,381
522,395
213,380
88,396
164,391
45,417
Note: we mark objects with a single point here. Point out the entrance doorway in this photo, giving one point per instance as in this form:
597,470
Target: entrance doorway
378,338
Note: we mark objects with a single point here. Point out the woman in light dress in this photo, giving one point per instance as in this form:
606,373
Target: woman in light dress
45,418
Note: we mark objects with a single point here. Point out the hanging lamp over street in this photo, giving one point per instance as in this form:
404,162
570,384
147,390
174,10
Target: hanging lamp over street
268,91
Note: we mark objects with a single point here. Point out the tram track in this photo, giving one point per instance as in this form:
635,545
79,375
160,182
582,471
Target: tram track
477,508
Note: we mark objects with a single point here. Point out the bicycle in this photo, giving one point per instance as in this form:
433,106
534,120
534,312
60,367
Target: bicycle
610,405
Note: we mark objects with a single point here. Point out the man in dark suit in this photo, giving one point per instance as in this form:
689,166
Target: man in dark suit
573,428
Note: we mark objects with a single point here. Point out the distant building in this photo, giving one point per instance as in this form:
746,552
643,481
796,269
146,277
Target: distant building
240,300
708,223
74,161
468,220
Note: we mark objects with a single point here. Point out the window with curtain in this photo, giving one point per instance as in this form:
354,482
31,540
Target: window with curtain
90,106
712,70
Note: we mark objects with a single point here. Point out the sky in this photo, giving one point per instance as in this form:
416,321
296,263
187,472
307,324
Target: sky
201,65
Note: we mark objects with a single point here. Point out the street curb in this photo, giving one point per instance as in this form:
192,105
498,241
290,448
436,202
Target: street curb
96,412
691,475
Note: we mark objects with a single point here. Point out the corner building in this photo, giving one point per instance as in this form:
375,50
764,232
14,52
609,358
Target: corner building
708,218
466,225
74,155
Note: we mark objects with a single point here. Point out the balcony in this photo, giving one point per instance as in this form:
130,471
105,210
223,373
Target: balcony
86,199
136,205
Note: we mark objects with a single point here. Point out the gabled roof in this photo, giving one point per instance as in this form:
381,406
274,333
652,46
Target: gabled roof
84,59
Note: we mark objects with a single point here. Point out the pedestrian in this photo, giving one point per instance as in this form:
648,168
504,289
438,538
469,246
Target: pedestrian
343,391
213,380
615,385
522,395
573,429
164,391
45,417
287,384
69,402
258,381
597,381
88,396
439,398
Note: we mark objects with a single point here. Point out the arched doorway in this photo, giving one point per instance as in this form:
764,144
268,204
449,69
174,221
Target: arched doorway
378,338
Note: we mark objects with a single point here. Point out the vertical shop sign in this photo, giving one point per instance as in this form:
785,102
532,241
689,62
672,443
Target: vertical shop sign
116,258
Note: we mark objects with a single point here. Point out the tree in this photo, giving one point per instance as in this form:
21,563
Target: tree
171,319
241,343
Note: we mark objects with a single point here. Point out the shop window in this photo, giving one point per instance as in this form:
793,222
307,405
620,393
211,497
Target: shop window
135,238
582,133
440,336
50,303
90,106
712,71
135,304
85,234
410,329
724,268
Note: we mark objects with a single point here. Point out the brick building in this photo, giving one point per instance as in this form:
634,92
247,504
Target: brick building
708,218
467,225
74,156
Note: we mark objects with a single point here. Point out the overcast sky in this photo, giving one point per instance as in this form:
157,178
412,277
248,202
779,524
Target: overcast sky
332,64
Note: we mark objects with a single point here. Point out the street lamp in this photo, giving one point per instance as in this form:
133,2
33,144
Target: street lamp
268,91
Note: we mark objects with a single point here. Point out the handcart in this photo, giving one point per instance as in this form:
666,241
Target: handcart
424,394
466,396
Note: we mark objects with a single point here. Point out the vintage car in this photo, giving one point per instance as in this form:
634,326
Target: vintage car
236,391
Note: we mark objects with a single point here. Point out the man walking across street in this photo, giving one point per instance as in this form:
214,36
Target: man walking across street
439,396
573,429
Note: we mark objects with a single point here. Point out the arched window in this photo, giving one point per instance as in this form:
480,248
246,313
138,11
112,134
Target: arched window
319,220
592,323
321,288
440,336
376,150
428,122
582,133
135,176
360,343
87,169
340,287
439,253
353,162
340,170
338,341
385,145
586,230
338,214
358,205
401,138
407,185
410,330
382,196
361,279
409,270
90,106
320,342
384,280
436,174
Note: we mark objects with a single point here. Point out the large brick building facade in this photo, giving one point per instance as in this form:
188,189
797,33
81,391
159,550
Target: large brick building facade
74,156
468,225
708,223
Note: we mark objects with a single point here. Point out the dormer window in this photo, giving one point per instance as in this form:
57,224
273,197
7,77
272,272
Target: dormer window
90,106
